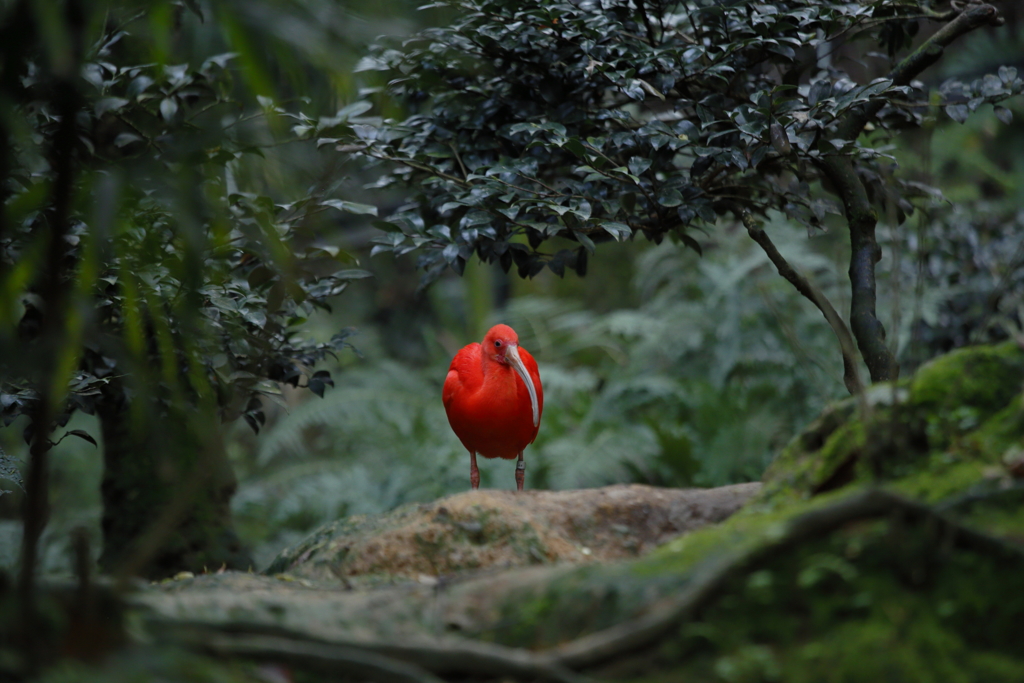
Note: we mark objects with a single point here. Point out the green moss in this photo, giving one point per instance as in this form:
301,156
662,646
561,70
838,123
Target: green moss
791,474
996,507
983,377
935,435
875,601
591,598
959,390
1001,432
947,476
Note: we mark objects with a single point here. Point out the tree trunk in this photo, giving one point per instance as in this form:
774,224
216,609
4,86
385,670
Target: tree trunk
164,509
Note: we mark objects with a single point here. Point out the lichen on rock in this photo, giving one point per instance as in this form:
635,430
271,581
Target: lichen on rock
491,529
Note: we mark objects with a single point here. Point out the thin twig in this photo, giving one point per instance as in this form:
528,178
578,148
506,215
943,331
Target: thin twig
791,335
458,158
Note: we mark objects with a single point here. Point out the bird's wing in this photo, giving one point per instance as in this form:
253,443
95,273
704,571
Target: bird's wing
460,374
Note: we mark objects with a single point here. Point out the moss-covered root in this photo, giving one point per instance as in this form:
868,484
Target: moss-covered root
903,596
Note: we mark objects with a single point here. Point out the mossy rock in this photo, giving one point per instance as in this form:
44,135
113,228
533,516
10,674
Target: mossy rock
937,434
871,601
883,594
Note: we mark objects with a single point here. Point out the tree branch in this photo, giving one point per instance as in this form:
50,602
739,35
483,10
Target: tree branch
864,254
851,378
929,52
861,216
642,9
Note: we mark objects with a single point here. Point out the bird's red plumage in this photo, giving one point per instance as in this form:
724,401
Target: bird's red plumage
488,404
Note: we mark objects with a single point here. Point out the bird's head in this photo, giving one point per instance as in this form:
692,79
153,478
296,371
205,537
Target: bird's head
501,343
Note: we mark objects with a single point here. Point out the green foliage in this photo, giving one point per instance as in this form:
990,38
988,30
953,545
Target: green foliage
186,275
376,441
701,399
167,227
9,471
596,122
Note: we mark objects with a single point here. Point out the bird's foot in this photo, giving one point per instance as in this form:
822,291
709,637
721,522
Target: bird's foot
520,474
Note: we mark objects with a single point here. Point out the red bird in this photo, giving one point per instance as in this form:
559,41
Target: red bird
494,400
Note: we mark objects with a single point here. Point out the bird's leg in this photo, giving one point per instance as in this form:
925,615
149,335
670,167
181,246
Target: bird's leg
520,472
474,473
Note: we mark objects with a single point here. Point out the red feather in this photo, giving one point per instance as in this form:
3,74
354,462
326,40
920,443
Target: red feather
487,402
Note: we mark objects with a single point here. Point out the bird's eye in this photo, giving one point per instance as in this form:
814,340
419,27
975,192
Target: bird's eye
497,344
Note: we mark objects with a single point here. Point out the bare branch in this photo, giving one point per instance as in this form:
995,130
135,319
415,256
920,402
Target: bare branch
851,377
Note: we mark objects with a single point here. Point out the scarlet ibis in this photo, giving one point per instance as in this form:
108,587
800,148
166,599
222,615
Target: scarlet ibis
494,399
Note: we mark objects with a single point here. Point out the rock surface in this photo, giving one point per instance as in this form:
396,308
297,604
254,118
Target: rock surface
501,529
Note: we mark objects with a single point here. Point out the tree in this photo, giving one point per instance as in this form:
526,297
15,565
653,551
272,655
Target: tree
141,277
575,124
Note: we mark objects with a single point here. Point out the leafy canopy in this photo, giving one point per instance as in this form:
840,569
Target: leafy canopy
598,120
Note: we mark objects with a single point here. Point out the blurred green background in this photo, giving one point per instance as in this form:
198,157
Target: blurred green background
659,367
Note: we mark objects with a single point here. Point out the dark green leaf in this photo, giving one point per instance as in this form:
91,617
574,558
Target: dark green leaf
585,240
169,109
350,207
193,6
637,165
958,112
670,197
81,434
620,231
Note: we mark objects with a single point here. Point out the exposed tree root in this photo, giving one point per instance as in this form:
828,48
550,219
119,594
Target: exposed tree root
422,661
383,662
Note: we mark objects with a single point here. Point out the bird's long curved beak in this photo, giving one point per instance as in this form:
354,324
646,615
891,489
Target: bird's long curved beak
512,355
